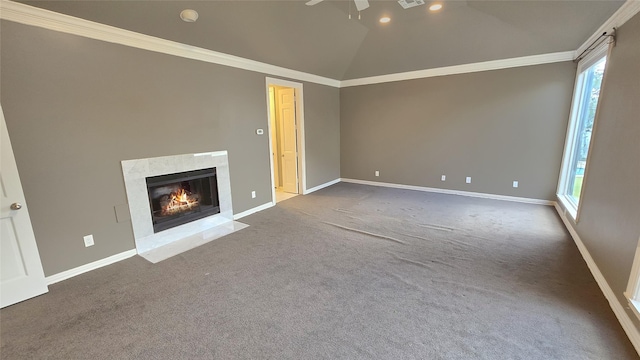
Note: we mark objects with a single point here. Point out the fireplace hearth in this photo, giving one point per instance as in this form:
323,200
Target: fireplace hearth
179,198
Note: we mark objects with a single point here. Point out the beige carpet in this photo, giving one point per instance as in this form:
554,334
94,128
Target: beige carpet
348,272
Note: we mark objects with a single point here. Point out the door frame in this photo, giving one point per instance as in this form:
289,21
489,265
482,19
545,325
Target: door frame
273,140
300,147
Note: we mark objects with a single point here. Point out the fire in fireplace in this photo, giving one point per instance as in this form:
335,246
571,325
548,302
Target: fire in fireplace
179,198
178,201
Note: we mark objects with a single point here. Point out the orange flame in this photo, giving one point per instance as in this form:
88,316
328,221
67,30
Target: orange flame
180,196
179,201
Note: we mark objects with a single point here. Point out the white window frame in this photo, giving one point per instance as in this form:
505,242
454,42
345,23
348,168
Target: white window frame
633,287
569,148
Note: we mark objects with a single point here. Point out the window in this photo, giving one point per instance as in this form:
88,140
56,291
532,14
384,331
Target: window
633,288
583,114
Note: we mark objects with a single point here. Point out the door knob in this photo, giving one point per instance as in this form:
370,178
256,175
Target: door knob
16,206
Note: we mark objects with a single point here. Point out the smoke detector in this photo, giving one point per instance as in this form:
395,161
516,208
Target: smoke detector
407,4
188,15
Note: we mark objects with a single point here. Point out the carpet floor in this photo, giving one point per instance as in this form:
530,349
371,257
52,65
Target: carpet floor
348,272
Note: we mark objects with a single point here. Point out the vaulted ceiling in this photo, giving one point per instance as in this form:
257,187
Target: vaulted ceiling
322,40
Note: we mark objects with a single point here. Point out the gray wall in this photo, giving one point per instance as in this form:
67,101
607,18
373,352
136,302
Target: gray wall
322,141
76,107
495,126
609,219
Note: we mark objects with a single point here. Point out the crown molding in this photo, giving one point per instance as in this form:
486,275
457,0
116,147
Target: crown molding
621,16
46,19
462,69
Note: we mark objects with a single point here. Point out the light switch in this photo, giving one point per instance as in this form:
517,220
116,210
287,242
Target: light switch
259,131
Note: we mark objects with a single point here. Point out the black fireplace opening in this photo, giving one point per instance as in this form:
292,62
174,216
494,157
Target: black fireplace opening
179,198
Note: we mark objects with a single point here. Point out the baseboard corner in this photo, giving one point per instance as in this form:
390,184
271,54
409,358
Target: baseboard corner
253,210
322,186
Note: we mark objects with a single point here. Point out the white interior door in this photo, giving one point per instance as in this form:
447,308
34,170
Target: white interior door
288,140
21,275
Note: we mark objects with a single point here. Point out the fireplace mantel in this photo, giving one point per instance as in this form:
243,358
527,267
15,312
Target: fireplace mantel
136,171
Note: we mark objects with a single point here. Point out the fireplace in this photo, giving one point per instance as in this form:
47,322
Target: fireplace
179,198
150,182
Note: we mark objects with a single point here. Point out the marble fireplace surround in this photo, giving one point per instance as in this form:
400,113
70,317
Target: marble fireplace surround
135,172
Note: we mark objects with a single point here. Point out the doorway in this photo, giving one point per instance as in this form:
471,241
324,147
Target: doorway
285,138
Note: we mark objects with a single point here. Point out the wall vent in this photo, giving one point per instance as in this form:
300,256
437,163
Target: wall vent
406,4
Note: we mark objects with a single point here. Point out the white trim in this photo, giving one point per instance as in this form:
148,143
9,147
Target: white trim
618,309
568,205
300,140
634,305
282,82
621,16
50,20
90,266
270,134
46,19
322,186
253,210
465,68
569,145
452,192
577,107
633,287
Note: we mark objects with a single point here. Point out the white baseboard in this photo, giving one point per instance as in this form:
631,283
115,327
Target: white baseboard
125,255
253,210
90,266
452,192
618,308
322,186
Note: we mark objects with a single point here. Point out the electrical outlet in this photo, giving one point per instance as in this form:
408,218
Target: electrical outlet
468,180
259,131
515,184
377,173
253,194
443,178
88,240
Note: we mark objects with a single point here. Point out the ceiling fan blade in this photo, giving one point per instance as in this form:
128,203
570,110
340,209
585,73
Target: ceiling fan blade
313,2
361,4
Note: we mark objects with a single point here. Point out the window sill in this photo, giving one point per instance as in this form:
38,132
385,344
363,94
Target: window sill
634,305
570,208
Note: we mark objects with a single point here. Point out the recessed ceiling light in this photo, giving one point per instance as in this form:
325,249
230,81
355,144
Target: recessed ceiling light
385,19
189,15
435,7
